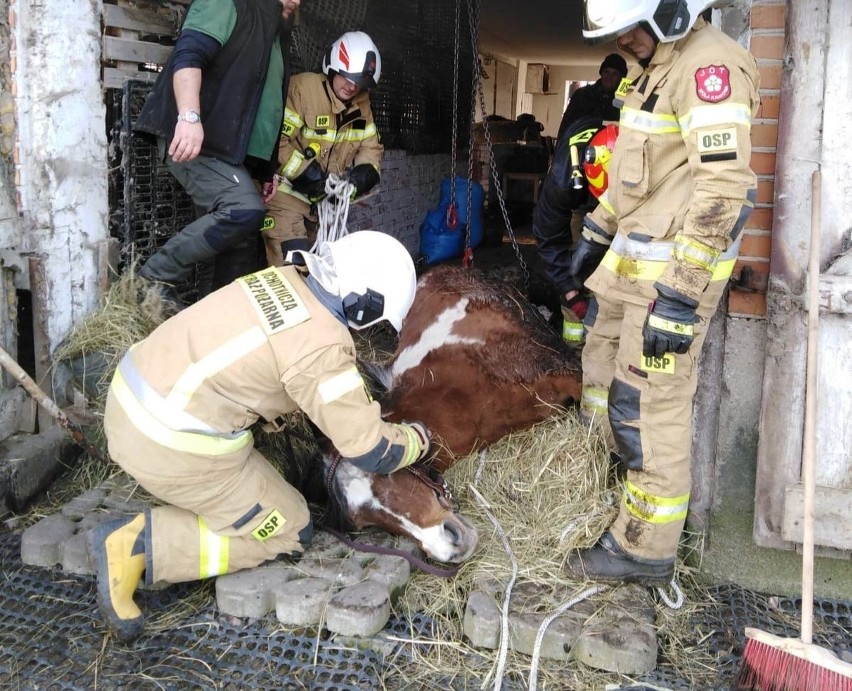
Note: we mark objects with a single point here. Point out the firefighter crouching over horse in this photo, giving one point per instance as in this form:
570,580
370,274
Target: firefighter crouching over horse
328,128
182,401
664,245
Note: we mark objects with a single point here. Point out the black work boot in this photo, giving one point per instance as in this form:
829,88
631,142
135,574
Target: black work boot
608,563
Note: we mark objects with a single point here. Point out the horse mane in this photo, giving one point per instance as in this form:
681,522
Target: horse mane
553,355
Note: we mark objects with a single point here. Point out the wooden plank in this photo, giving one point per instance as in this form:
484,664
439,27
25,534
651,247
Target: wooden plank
114,77
145,22
138,52
833,524
779,454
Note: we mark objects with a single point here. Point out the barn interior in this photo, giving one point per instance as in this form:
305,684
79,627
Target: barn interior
528,56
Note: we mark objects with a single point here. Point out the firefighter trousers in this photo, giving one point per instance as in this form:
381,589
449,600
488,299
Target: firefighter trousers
226,512
288,225
645,407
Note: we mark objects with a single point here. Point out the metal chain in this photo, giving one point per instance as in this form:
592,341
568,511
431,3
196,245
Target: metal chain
456,65
473,17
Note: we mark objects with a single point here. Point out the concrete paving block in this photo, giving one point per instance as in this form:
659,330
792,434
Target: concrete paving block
342,572
123,501
252,592
482,620
326,546
301,602
362,609
41,543
75,555
391,571
559,637
84,503
624,645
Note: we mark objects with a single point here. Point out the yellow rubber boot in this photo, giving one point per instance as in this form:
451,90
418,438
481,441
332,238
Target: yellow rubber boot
117,551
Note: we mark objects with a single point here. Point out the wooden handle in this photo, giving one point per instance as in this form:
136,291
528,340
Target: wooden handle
24,379
809,447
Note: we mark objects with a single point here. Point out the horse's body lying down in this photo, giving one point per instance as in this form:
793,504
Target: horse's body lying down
475,361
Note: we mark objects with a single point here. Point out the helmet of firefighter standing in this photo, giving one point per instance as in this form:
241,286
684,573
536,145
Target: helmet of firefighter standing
596,158
355,57
666,20
371,272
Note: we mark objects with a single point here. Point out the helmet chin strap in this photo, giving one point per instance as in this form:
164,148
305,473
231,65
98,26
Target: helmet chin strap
332,303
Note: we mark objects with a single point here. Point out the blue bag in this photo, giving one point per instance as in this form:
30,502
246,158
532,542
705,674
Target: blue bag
438,241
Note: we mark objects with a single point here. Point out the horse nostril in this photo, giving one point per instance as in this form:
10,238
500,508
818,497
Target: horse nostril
453,529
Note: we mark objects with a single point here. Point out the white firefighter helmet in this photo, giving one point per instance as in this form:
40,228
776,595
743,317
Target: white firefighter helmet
371,272
354,56
665,20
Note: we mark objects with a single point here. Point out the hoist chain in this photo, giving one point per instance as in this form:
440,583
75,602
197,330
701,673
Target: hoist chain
456,67
473,18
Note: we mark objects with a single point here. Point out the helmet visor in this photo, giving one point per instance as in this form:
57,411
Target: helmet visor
604,20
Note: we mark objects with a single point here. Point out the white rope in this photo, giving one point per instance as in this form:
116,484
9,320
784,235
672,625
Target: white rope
333,210
677,603
585,595
480,467
504,614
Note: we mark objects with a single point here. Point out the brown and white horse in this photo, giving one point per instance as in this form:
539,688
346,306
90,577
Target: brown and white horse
474,361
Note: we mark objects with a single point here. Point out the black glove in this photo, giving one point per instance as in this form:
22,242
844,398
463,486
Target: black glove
364,177
311,182
585,259
668,326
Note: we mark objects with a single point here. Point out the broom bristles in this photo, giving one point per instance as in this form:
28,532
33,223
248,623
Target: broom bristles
772,663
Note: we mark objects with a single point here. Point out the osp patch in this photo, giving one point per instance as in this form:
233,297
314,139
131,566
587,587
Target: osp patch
271,526
713,83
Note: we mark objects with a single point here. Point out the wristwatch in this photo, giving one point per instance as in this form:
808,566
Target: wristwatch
189,116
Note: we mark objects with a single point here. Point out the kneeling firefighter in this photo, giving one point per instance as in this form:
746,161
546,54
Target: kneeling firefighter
182,401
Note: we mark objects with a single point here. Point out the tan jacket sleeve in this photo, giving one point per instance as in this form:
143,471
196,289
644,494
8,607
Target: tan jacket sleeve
329,389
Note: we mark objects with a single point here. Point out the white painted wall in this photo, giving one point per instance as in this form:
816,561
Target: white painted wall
62,156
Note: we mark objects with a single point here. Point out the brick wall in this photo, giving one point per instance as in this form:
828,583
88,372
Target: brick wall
410,186
747,297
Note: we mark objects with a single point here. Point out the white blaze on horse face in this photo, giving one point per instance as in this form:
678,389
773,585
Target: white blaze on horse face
433,337
356,487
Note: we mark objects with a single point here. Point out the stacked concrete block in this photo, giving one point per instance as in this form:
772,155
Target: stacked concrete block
613,631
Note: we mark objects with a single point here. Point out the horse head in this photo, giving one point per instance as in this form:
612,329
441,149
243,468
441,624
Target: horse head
413,502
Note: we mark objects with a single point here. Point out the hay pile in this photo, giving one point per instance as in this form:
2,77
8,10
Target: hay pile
550,489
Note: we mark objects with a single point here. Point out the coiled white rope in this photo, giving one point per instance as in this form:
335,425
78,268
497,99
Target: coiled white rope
677,603
333,210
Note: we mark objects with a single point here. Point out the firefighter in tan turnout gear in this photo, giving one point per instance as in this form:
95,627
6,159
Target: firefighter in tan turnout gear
182,401
680,191
328,128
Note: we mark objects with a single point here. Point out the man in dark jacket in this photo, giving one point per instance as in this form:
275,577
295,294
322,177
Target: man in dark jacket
215,111
595,100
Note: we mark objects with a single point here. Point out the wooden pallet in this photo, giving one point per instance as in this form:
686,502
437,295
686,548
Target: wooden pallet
138,38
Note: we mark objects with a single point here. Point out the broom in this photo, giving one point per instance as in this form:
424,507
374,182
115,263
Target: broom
773,663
